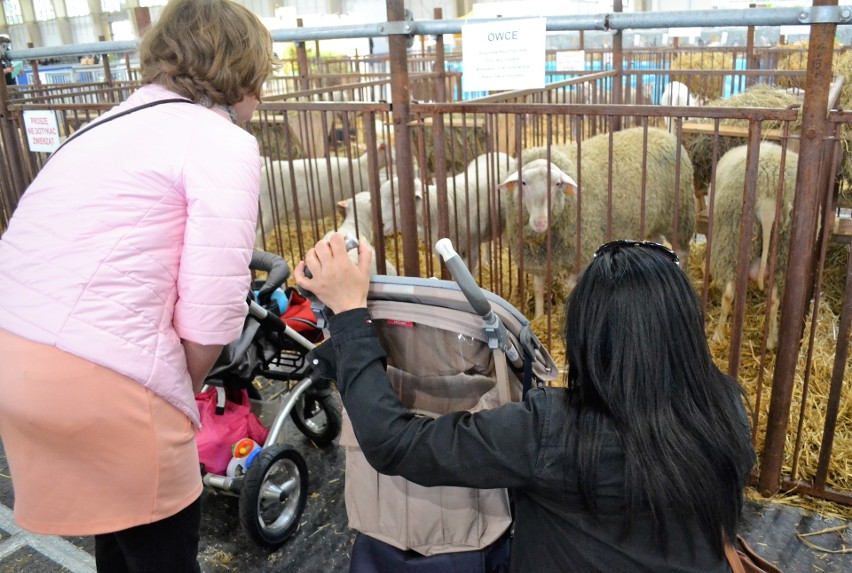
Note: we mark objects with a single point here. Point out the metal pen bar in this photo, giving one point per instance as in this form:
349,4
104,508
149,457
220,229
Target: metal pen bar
604,22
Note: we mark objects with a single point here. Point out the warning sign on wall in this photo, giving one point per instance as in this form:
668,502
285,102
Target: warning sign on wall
41,129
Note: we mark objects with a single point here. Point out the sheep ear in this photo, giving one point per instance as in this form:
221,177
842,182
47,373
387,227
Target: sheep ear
342,205
568,186
508,186
510,183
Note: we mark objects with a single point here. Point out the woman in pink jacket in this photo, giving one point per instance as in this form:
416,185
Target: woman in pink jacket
122,273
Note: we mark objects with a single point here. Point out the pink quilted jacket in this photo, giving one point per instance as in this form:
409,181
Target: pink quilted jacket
133,237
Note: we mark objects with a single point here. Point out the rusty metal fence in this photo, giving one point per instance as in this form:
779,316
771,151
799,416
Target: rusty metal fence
328,133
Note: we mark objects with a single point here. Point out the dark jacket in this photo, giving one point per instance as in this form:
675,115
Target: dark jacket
5,62
521,446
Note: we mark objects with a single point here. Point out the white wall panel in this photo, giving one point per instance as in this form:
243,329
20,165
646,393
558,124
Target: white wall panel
83,30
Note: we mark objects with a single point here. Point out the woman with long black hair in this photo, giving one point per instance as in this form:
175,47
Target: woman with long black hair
637,465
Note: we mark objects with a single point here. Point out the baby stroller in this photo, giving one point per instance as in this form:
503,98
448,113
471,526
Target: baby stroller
450,346
272,481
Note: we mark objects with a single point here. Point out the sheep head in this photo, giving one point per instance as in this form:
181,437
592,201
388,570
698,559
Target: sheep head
389,192
533,183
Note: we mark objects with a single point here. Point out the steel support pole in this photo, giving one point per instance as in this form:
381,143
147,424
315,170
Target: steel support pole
803,236
402,141
617,66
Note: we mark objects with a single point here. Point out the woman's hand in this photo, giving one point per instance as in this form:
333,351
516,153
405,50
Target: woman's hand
200,358
337,281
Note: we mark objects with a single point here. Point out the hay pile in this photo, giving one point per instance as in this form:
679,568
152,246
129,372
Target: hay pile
753,374
700,146
843,67
709,87
794,58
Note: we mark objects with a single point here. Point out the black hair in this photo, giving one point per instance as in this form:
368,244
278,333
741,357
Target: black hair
639,363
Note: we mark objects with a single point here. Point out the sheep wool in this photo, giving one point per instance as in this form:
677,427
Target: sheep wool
650,174
727,216
469,196
318,183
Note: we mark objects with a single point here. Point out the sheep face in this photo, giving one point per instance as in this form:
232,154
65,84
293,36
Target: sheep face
533,184
361,208
389,192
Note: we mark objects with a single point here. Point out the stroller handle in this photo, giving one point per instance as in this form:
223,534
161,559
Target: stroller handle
462,275
491,323
275,266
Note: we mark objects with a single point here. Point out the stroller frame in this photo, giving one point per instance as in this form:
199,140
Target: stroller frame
273,490
450,346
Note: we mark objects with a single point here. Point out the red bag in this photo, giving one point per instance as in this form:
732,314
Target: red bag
220,431
300,317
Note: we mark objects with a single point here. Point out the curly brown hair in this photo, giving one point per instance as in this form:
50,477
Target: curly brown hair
213,48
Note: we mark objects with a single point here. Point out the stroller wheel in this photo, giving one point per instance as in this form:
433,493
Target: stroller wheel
274,494
318,418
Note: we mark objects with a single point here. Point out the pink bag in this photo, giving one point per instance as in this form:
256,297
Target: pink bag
220,431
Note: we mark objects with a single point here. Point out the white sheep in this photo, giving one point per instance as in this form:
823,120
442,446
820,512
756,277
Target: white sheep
563,156
319,184
536,218
727,215
469,197
660,182
677,94
363,228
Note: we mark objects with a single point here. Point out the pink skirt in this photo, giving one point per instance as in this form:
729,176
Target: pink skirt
90,451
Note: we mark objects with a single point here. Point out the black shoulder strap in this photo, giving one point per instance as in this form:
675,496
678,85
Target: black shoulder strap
112,117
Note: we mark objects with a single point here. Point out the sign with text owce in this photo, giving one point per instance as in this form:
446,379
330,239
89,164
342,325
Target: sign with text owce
504,54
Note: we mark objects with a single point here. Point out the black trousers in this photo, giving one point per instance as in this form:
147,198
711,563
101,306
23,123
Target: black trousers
369,555
169,545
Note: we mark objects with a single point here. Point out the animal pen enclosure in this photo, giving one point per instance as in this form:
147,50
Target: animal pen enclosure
330,128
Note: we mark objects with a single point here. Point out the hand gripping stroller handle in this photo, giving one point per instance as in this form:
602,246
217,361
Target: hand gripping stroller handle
463,278
317,306
351,243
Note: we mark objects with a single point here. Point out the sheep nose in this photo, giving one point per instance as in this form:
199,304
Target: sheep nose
538,225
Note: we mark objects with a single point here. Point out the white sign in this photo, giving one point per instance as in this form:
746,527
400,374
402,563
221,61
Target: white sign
684,32
41,129
798,30
570,60
504,54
